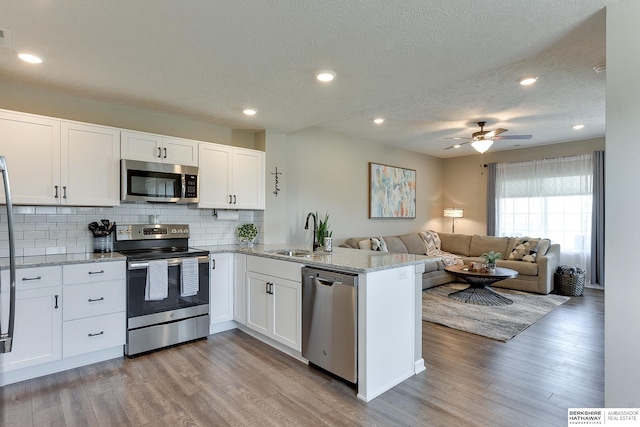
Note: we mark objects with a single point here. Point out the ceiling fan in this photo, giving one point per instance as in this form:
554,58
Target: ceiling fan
483,139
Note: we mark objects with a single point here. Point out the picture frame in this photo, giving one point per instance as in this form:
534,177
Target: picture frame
392,191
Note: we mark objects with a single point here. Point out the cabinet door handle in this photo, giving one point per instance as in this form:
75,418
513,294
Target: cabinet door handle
56,196
159,152
230,199
95,299
56,302
165,152
64,191
95,335
213,263
266,287
26,279
234,199
97,272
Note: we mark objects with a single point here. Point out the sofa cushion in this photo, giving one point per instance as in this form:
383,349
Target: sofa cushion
395,245
483,244
523,268
455,243
525,249
414,243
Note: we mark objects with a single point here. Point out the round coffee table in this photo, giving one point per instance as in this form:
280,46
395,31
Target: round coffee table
478,291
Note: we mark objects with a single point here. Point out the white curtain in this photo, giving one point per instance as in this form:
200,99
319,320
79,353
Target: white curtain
549,198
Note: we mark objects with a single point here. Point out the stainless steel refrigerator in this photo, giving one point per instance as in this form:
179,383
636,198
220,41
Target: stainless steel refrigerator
7,319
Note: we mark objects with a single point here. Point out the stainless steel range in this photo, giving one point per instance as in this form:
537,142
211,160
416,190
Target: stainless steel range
167,286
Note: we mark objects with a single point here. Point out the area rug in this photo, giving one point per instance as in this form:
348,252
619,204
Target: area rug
498,322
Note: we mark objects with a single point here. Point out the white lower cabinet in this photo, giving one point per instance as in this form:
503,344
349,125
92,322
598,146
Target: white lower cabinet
240,288
38,317
94,316
274,303
221,289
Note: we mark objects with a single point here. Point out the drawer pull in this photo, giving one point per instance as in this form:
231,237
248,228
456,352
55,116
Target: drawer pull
97,272
95,335
24,279
95,299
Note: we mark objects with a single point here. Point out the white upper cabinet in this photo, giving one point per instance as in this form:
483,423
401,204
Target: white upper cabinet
31,145
230,177
56,162
149,147
90,165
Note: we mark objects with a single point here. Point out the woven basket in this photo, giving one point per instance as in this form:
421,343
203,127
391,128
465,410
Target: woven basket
569,284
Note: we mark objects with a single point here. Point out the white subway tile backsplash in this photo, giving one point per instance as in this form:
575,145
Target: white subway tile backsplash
46,209
33,225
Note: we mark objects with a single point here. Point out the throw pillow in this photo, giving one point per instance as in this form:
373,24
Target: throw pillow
365,244
431,241
375,244
525,249
383,245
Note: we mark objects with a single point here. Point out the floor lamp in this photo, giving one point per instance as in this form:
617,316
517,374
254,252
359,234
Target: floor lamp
453,213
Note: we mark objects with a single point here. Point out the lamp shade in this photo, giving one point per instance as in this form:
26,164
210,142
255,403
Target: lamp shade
453,213
482,145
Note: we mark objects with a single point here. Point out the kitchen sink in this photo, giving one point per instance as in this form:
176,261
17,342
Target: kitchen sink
292,252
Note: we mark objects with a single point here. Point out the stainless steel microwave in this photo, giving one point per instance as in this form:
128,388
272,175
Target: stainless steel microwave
158,182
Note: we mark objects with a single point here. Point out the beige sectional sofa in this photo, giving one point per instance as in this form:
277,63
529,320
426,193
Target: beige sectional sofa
535,276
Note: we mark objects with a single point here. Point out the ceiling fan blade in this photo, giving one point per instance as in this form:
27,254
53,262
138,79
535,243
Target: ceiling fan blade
513,137
491,134
456,145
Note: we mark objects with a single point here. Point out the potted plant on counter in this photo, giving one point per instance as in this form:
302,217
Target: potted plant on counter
247,233
491,258
323,230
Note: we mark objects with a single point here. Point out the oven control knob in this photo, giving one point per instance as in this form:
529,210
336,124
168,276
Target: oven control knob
174,231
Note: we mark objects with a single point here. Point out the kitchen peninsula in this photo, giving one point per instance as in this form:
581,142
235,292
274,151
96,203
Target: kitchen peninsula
389,306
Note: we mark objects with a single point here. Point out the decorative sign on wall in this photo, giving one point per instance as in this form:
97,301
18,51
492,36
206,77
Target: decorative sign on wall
276,189
392,192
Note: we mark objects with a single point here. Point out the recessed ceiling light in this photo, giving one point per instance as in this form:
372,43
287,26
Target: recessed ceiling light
325,75
456,146
249,111
526,81
577,127
378,121
32,59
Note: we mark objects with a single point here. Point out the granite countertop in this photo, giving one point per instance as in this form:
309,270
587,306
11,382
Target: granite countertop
45,260
342,259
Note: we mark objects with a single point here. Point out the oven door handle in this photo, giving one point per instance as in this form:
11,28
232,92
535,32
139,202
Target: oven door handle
170,263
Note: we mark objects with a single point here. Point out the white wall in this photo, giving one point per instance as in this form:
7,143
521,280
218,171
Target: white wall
60,105
465,178
329,172
622,312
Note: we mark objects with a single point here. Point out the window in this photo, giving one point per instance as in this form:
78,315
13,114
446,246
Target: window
548,198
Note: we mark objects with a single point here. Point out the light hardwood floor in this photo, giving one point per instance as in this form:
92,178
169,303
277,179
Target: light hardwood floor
233,379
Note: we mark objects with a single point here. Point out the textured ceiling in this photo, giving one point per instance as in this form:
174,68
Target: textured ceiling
431,68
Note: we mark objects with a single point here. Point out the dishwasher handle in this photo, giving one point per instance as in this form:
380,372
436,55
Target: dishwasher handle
329,278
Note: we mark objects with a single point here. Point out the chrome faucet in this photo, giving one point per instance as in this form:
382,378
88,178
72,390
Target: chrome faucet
316,245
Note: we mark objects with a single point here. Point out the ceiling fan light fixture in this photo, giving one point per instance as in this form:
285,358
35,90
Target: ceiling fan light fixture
527,81
482,145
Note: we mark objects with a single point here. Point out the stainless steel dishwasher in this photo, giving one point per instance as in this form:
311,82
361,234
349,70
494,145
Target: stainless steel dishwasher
330,321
